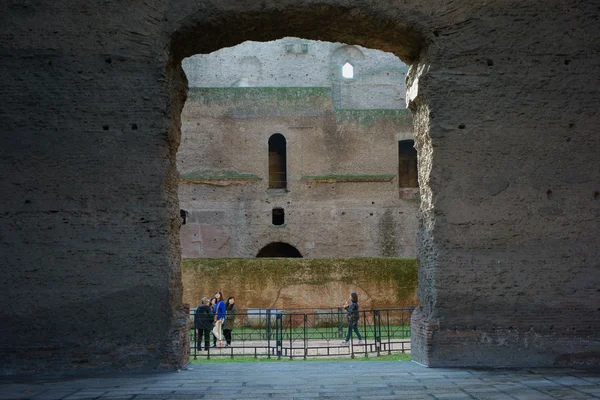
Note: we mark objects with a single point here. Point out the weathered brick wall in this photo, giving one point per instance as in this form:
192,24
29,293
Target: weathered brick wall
378,82
225,134
507,115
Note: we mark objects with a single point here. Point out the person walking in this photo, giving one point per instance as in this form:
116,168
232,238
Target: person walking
202,323
219,318
230,310
353,315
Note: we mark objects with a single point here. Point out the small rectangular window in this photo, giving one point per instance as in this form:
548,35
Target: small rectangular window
304,47
289,48
278,216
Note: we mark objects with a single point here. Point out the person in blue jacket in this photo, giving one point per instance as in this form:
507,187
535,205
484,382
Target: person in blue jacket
219,318
353,316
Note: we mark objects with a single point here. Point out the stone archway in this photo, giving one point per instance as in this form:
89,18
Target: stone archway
508,237
199,33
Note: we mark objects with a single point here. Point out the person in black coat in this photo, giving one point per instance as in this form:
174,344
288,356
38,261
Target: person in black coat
202,323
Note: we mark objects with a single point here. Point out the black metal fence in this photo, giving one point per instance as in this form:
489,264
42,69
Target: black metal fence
303,333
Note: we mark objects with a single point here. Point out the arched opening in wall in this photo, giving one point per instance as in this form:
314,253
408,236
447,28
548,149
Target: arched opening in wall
279,250
277,162
407,164
226,167
348,71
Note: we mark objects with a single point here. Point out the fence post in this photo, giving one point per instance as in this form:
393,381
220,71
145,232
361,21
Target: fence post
195,344
279,334
268,321
377,328
305,339
340,323
389,339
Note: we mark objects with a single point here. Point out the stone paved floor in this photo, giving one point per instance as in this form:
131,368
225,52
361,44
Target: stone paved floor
327,379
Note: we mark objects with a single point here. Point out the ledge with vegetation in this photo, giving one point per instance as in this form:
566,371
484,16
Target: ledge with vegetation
332,178
219,177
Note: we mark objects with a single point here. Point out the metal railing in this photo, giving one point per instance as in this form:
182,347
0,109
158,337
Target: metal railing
304,333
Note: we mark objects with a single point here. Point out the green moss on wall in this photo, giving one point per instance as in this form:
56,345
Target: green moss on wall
235,95
367,118
213,174
350,177
254,274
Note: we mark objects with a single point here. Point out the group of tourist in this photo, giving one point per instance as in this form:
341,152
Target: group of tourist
219,316
216,315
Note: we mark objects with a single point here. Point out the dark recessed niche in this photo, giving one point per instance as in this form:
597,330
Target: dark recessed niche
105,127
278,215
461,126
134,127
183,214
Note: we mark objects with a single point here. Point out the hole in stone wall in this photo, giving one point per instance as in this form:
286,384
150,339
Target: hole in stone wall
278,216
277,162
279,250
105,127
348,71
231,171
596,195
549,194
407,164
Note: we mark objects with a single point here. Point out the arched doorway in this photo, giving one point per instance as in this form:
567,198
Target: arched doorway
279,249
362,29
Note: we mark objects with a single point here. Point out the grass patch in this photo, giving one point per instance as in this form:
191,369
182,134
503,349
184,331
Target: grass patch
242,359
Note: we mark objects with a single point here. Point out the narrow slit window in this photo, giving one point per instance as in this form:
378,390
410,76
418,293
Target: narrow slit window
183,214
348,71
407,164
278,216
277,162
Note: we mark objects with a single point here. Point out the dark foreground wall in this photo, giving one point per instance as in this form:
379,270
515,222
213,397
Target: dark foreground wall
505,101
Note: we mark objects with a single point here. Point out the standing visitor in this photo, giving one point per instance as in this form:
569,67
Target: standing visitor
202,323
230,310
213,303
219,318
353,316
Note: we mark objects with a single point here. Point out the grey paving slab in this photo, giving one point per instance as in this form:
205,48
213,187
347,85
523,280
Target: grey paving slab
334,380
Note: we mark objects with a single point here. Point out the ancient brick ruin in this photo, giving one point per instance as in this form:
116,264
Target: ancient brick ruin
278,147
505,106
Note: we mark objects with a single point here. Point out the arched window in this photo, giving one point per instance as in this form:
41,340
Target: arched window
279,249
277,162
348,71
407,164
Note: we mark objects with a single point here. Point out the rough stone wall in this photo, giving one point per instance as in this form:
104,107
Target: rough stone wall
353,210
378,82
507,116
